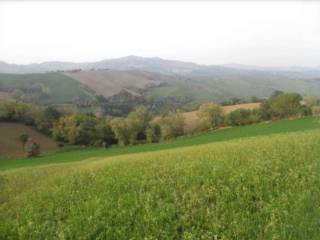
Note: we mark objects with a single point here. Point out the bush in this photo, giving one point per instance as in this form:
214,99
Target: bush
241,117
32,148
172,125
153,131
210,115
315,110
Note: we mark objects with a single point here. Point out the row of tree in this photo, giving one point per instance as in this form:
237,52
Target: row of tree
141,126
138,127
280,105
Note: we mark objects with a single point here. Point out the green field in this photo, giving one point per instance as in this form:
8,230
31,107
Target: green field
62,89
264,187
282,126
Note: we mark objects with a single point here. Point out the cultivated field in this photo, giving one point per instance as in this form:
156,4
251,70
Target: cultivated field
9,139
111,82
264,187
191,118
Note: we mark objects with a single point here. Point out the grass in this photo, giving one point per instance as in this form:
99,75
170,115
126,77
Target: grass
282,126
264,187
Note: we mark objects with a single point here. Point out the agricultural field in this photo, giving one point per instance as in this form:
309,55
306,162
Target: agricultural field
110,82
263,187
10,145
88,154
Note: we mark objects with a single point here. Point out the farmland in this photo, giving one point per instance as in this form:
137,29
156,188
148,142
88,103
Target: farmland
9,139
249,188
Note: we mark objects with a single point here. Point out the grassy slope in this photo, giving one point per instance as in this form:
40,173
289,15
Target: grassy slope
9,139
62,88
176,90
221,135
265,187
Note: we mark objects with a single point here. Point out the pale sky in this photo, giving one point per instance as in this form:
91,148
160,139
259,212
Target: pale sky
257,33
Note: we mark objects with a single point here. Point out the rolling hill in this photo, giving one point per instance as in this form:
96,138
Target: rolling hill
111,82
156,80
44,88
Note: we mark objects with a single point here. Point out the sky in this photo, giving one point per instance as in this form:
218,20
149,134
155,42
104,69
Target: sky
285,33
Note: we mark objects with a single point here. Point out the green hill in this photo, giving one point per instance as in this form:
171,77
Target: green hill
45,88
261,187
154,82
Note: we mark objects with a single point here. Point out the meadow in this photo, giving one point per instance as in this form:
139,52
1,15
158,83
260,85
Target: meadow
72,155
264,187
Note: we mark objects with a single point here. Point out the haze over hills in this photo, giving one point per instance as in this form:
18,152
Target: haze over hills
154,64
154,82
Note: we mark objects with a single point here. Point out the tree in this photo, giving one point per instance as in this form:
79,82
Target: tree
32,148
76,129
211,116
241,117
23,138
172,125
285,105
316,110
120,128
47,118
137,123
104,132
153,131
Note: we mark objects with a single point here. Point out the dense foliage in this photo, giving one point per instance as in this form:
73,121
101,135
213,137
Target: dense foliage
142,126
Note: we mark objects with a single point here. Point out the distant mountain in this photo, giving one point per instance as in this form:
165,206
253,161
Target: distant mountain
125,63
157,65
289,71
158,82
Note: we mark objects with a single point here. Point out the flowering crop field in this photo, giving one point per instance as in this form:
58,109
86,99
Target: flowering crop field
264,187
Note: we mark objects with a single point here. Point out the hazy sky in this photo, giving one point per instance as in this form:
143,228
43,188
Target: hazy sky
258,33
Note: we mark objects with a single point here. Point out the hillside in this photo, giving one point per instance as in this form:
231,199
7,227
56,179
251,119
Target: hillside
250,188
158,82
46,88
10,145
111,82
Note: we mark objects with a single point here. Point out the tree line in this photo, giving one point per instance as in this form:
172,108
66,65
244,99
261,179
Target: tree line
141,126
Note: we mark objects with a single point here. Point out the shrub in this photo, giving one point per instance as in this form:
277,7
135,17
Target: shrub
32,148
172,125
210,115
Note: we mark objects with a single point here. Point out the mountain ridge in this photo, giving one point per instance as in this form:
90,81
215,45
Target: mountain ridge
152,64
